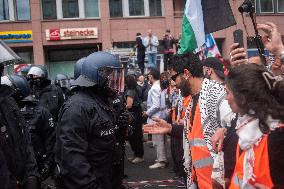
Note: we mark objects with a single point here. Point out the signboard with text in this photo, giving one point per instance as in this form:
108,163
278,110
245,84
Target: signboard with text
71,33
23,36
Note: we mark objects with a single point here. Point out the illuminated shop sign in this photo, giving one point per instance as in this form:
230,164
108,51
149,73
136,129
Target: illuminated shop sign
71,33
17,36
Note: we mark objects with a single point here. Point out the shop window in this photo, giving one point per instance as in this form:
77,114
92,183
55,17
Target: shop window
49,9
62,60
136,7
155,7
91,8
27,56
70,8
23,9
179,7
4,10
115,8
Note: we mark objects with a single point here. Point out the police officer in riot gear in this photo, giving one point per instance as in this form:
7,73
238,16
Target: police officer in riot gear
18,167
78,67
85,133
39,122
62,81
49,96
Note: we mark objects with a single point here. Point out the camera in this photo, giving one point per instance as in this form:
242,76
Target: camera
247,7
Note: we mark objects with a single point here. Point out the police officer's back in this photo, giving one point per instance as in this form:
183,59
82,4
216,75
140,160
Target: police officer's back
85,132
49,95
18,167
39,123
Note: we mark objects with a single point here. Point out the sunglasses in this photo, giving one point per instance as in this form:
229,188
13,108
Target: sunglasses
174,77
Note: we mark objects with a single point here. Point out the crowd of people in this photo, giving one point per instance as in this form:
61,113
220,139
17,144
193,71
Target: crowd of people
149,45
230,126
226,129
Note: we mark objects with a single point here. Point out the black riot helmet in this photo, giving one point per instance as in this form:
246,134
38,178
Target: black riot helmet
61,80
101,69
78,67
19,84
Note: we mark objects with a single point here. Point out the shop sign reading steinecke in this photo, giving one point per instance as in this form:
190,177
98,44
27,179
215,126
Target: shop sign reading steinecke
71,33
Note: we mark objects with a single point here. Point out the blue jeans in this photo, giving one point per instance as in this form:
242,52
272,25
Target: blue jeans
152,58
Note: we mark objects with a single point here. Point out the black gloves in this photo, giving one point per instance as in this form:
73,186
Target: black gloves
45,171
124,118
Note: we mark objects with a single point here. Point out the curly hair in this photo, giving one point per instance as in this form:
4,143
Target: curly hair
254,95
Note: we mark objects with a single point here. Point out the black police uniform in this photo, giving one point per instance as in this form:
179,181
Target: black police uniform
51,97
85,141
18,165
120,131
42,130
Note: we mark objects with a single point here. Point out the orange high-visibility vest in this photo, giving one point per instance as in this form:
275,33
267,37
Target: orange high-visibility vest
174,116
261,167
185,105
201,159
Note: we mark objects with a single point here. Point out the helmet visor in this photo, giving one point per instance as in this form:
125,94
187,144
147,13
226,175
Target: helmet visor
115,78
64,83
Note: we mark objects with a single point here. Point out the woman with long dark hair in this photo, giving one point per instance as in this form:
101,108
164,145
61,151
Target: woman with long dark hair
258,97
133,105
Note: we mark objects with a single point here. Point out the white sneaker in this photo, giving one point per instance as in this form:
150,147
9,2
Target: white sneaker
137,160
157,165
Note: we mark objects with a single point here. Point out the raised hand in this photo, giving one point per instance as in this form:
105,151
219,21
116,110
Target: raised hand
272,39
159,126
238,55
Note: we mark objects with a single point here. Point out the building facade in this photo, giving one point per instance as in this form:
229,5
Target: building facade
56,33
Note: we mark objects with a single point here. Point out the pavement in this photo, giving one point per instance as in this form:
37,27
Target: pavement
140,176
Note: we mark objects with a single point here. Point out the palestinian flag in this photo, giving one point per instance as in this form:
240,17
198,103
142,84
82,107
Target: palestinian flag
203,17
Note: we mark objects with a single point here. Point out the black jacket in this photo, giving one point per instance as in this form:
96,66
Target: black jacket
140,47
85,142
16,154
42,130
52,98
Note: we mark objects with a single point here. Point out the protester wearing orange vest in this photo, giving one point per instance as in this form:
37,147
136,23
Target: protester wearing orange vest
257,96
205,113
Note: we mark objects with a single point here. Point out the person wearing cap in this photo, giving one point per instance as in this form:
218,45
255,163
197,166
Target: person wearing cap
213,69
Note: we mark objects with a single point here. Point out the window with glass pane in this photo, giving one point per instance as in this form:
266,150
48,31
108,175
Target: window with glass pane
4,10
155,7
115,8
23,9
266,6
280,6
136,7
179,7
48,9
70,8
91,8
